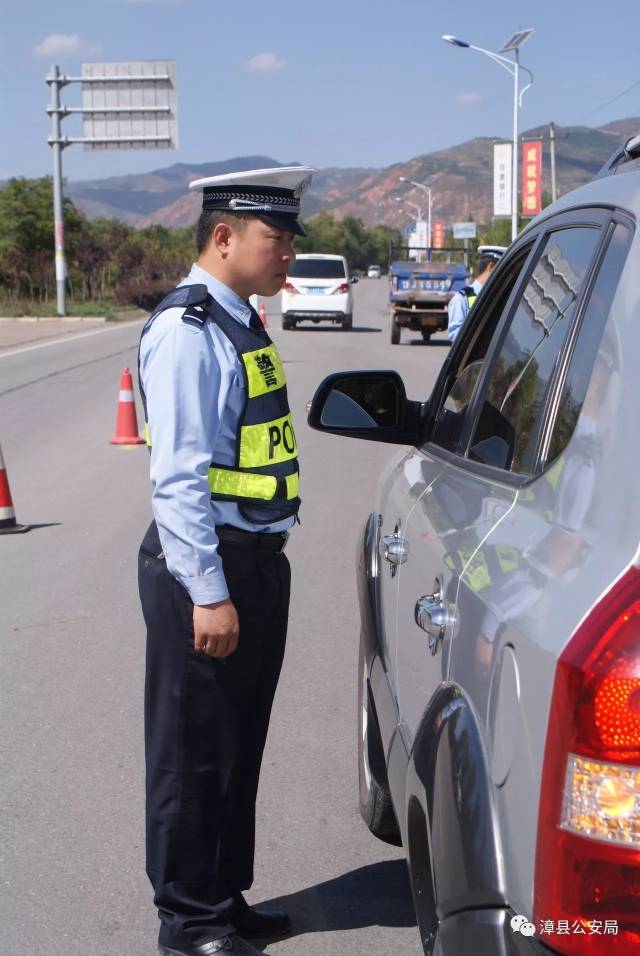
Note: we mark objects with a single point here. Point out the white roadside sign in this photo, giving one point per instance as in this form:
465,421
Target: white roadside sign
502,179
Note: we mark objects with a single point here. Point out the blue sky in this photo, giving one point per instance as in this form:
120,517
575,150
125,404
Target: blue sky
335,83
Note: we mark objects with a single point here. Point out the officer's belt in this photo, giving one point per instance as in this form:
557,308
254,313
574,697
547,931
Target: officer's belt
253,540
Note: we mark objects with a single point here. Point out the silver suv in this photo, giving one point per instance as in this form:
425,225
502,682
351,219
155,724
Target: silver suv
499,584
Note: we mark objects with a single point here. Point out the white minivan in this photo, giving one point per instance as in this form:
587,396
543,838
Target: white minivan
318,289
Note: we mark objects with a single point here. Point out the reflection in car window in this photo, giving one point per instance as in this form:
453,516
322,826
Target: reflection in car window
505,432
454,408
452,414
588,342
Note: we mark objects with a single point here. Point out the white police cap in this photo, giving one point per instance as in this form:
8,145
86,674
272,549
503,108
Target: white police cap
494,253
271,194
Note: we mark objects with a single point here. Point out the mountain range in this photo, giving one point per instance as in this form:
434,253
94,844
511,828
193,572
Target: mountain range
461,179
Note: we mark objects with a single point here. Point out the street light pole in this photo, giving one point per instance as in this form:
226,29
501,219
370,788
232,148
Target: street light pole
427,190
513,67
514,174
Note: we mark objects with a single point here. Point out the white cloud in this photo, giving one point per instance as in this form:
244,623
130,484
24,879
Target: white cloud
59,44
264,63
469,99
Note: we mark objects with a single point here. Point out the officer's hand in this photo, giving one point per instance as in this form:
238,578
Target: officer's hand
216,628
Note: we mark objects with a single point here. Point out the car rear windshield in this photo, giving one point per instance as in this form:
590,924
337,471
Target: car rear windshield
317,269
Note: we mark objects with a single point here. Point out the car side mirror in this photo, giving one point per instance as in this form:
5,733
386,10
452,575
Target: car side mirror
367,404
354,279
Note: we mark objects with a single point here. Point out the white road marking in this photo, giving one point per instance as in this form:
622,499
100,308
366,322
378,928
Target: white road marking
68,338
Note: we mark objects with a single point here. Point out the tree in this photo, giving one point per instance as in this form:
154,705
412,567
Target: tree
347,237
26,230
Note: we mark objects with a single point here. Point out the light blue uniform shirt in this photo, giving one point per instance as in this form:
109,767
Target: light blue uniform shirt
194,387
458,310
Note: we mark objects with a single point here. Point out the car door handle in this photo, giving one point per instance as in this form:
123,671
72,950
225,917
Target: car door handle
432,616
396,549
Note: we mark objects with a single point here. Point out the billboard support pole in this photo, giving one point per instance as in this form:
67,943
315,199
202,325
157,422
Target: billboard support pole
56,80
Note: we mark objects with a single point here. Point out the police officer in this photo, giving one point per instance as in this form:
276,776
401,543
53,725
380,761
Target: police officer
214,582
461,302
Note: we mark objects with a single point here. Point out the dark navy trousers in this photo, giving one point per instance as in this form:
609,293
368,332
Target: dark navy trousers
206,722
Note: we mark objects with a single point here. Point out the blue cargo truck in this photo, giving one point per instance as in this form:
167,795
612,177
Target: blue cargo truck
419,291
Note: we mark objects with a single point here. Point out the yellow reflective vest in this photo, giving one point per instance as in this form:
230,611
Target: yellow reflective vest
264,480
470,295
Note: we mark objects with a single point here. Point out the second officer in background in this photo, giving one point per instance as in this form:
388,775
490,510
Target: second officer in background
460,304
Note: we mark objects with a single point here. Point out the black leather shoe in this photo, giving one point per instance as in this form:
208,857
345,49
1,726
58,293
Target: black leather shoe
216,947
254,923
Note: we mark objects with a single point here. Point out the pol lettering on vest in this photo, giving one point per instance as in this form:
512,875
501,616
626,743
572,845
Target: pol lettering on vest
283,436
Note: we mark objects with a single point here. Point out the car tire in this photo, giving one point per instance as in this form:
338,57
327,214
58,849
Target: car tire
395,331
288,323
376,808
347,322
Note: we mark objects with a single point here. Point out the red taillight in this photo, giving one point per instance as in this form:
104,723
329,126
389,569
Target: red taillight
588,851
289,287
341,289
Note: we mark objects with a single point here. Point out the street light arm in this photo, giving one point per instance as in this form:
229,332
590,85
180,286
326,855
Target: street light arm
527,87
425,189
507,65
412,182
502,61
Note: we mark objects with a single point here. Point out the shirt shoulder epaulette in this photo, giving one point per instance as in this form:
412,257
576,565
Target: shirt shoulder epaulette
196,299
191,298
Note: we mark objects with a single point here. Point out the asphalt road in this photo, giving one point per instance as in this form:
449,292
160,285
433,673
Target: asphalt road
72,649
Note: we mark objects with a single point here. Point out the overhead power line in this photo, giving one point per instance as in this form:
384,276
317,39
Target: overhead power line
615,98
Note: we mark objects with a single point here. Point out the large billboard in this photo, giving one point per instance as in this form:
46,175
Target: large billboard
130,105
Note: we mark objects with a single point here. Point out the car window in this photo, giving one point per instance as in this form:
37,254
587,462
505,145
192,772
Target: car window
317,269
514,393
588,344
456,403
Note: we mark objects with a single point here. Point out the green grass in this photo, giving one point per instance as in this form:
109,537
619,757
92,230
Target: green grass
108,310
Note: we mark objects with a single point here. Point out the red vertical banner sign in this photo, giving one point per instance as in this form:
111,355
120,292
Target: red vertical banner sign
531,178
438,235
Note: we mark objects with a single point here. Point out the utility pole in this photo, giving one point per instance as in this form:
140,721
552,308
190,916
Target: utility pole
552,145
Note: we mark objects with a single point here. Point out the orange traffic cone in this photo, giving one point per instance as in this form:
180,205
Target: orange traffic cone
8,523
126,422
262,312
